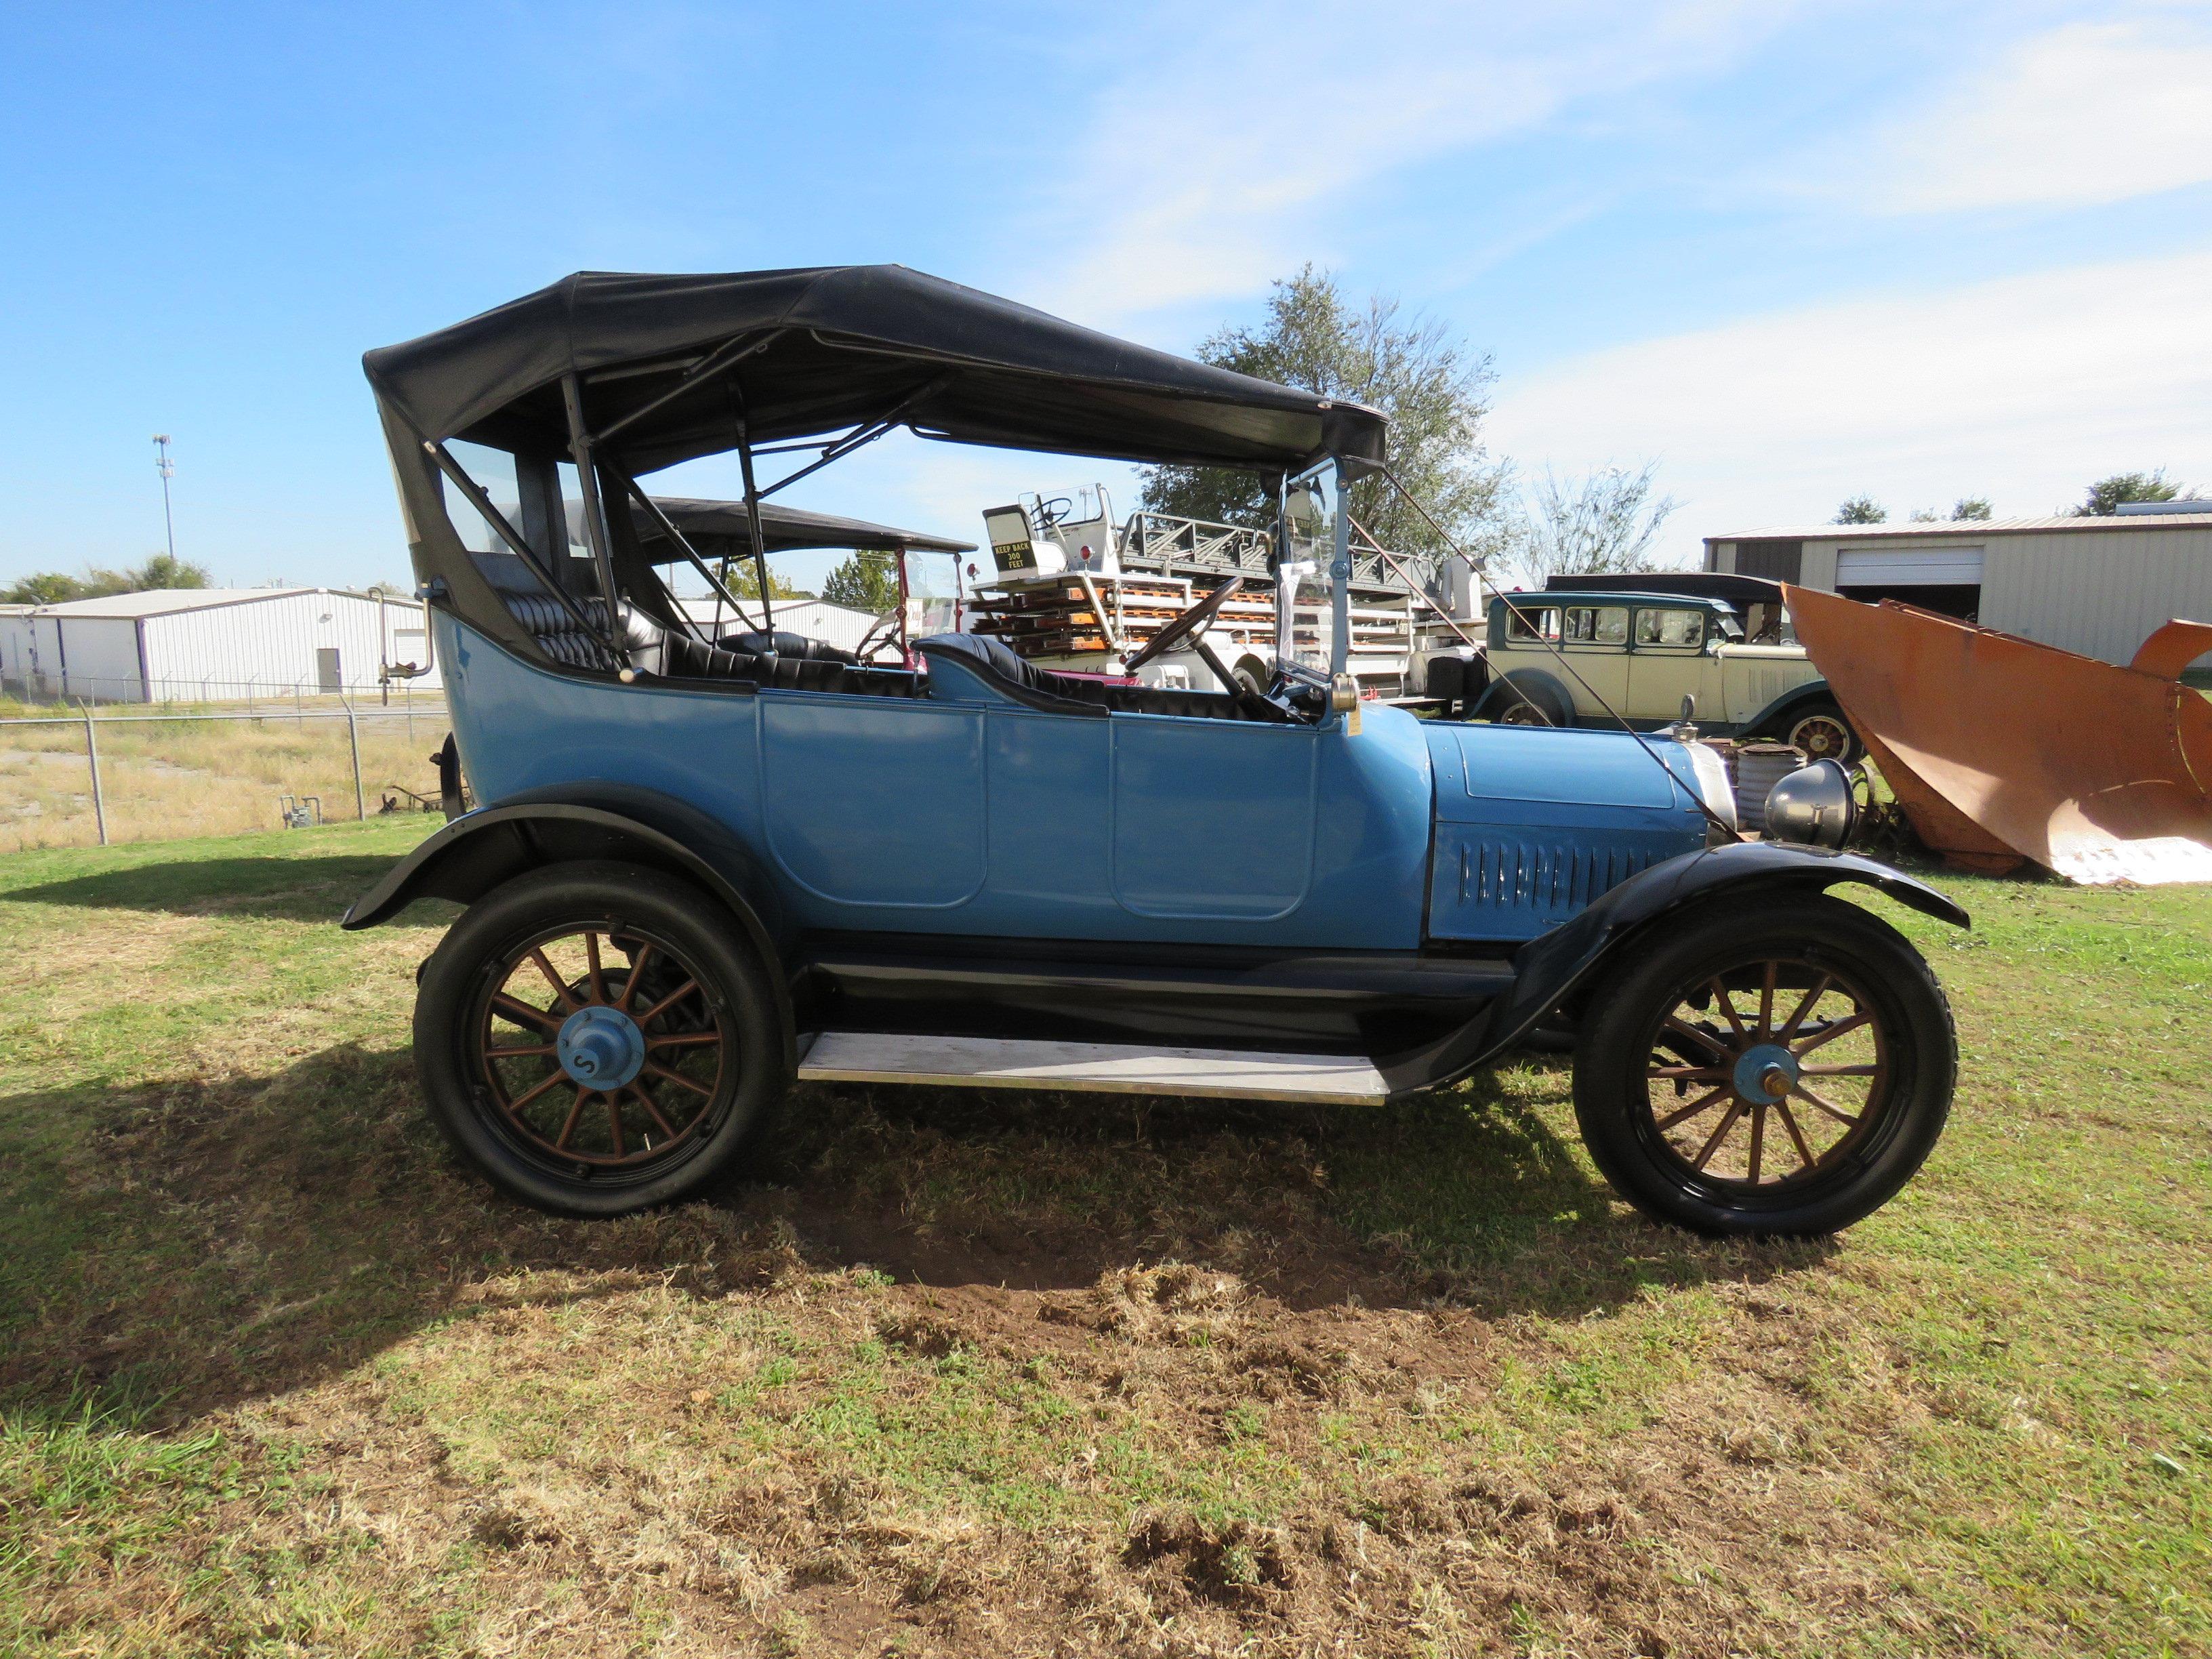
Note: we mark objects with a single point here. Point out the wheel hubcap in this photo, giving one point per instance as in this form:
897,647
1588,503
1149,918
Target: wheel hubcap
1764,1072
600,1047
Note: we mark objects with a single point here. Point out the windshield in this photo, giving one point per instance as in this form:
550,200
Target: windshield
1307,593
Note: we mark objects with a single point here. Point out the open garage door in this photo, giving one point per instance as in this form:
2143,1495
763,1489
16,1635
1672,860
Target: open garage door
1946,580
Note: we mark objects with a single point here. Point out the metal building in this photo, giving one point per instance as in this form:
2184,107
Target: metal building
211,644
2097,585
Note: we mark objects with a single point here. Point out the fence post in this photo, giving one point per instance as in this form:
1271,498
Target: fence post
92,754
353,742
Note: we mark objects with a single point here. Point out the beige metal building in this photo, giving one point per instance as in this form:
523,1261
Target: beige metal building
2095,586
209,644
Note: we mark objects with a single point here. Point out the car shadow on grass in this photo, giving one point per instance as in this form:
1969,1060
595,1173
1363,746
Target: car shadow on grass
190,1244
286,888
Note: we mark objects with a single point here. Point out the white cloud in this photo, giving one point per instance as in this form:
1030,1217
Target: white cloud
2076,116
1218,156
2022,389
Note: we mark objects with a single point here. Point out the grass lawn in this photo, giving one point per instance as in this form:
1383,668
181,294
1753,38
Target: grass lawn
997,1374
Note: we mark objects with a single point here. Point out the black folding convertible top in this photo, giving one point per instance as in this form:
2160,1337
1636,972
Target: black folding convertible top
782,528
798,353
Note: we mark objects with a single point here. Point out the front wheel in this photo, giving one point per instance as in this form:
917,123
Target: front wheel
1780,1070
598,1038
1823,734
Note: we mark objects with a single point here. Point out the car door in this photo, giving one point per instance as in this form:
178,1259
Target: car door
1211,819
1667,661
873,802
1593,638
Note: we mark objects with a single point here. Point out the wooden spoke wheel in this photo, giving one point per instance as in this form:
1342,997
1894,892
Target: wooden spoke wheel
598,1038
1824,735
600,1048
1778,1066
1768,1072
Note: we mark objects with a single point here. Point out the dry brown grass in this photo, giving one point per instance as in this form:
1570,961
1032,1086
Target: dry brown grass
177,778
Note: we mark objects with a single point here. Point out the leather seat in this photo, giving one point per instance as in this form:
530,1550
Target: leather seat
758,643
996,664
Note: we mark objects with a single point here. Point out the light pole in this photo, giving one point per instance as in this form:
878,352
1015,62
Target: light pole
167,469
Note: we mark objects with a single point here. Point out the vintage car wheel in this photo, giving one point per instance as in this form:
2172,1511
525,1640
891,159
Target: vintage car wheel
1779,1069
1824,734
596,1039
1525,698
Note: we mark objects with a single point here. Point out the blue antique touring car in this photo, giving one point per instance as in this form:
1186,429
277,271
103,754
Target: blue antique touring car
705,863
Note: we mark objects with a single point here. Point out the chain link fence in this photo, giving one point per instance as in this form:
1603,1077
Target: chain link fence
77,776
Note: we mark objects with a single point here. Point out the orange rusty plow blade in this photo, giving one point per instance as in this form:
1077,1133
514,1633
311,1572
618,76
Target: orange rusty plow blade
2000,750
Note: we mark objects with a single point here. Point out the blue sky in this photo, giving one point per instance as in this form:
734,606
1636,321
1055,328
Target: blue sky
1789,252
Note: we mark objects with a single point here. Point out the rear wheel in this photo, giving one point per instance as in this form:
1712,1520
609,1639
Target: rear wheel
598,1039
1782,1070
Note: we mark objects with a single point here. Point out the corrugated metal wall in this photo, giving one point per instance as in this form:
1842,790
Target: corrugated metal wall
15,648
270,643
2097,592
101,656
226,651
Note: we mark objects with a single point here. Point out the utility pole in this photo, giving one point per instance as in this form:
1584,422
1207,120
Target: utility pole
167,469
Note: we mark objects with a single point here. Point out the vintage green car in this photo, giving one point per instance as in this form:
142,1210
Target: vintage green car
1562,658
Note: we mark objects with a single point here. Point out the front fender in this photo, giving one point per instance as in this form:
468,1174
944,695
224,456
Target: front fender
1546,970
1534,686
1793,701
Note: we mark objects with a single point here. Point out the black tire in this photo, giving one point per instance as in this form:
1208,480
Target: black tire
1910,1051
1525,699
725,1038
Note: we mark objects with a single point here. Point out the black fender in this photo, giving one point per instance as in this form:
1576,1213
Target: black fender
1535,686
1774,720
1548,970
540,828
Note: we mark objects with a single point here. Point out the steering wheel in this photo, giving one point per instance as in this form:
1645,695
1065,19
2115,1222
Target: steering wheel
1185,624
883,625
1053,511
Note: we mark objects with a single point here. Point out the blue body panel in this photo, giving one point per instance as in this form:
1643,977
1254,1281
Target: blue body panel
967,813
1534,822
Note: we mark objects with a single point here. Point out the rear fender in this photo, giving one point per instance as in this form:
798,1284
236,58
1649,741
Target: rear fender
538,829
1549,969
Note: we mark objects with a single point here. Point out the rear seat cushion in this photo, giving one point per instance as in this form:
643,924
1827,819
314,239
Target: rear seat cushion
814,665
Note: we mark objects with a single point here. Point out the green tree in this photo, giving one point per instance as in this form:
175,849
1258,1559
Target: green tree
742,579
865,581
52,587
2107,496
1435,389
1601,524
1862,509
47,587
1970,507
164,570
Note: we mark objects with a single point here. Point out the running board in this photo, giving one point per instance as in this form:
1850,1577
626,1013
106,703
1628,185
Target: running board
1109,1067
